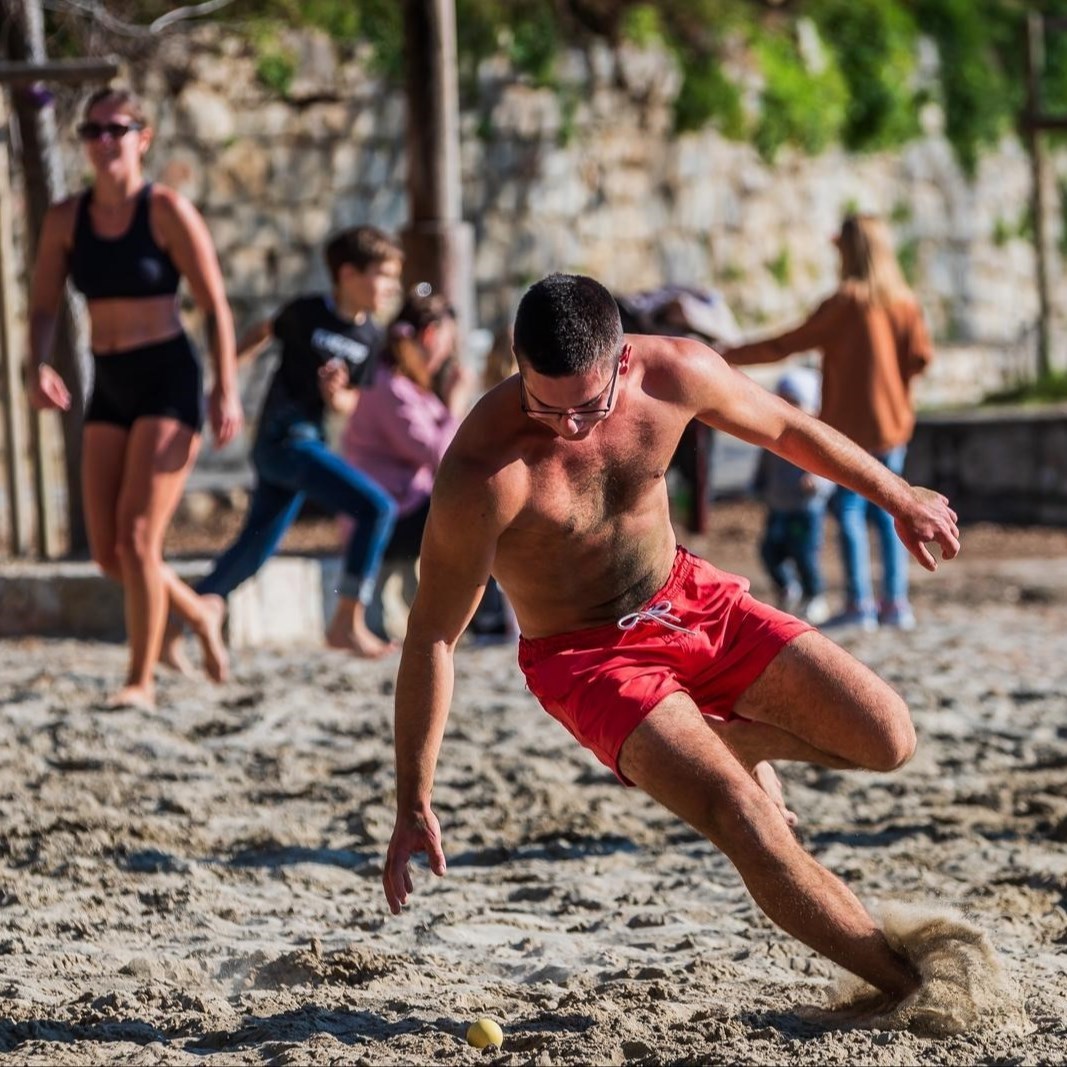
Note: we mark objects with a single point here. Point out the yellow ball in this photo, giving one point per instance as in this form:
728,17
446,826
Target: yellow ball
485,1032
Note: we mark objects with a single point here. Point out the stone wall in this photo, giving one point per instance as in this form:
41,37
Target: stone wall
585,177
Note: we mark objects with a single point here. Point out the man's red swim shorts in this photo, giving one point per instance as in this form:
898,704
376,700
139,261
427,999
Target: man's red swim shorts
602,682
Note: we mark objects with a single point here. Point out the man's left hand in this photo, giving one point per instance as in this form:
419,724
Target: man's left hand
929,520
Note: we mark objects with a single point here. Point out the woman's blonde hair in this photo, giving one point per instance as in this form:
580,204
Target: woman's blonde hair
869,267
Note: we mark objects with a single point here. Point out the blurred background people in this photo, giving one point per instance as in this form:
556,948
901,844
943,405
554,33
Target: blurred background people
330,346
494,621
126,244
873,340
796,509
401,427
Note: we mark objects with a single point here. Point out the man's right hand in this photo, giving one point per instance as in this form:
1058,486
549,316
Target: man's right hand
48,390
413,834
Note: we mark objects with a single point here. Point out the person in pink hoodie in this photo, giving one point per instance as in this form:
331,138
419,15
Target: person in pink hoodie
402,425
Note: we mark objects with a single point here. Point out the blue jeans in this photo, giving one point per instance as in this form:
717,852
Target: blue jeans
292,463
852,512
793,539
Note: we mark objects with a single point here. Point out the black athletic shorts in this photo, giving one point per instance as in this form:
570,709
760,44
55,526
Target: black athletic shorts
161,380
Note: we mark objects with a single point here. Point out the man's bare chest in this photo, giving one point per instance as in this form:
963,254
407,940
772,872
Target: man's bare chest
580,491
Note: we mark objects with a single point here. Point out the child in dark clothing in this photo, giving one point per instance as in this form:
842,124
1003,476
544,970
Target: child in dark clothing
796,506
329,352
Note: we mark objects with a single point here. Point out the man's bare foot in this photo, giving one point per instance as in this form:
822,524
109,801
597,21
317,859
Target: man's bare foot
141,697
172,652
209,634
360,641
767,779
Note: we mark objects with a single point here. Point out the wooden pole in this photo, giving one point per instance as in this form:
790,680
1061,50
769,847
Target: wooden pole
16,429
59,70
44,184
438,245
1034,57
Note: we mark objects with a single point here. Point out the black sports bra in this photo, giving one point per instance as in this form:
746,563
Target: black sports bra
129,266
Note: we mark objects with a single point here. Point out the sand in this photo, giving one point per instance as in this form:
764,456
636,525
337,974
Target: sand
202,883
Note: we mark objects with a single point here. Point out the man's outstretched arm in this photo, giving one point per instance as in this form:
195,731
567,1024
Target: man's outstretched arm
457,552
730,401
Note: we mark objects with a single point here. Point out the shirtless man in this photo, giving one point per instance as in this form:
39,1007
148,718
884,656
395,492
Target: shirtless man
662,665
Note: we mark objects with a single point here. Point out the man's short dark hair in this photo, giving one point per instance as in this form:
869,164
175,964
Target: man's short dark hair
566,324
362,247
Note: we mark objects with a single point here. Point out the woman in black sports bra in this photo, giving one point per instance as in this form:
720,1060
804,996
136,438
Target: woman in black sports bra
126,244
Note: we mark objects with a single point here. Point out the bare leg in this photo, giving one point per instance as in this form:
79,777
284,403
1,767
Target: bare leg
816,703
348,630
683,765
172,648
103,463
205,615
159,456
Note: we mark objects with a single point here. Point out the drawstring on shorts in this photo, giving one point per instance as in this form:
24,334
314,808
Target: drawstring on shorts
659,613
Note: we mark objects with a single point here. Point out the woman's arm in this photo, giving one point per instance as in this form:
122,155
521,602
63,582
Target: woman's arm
47,389
811,333
187,240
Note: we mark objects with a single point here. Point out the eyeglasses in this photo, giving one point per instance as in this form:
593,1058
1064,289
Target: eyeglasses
93,131
584,415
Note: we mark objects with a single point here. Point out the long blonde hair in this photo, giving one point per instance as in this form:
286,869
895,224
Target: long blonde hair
869,267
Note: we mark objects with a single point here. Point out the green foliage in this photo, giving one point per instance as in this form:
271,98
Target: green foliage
643,25
275,64
901,213
534,44
706,97
1050,389
342,21
908,258
866,95
781,268
800,107
1002,232
874,42
1024,226
569,99
381,22
1062,191
729,273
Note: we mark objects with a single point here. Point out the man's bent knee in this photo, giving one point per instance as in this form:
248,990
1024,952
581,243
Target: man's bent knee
898,741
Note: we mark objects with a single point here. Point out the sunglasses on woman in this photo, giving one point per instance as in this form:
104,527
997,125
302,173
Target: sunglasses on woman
93,131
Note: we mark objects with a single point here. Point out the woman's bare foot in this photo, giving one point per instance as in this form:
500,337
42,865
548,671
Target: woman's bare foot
209,634
359,640
172,652
141,697
767,779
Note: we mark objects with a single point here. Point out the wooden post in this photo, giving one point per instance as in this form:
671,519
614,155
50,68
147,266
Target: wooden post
1035,61
16,430
438,245
23,42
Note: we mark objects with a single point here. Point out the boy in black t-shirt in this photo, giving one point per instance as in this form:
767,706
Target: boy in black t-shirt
291,457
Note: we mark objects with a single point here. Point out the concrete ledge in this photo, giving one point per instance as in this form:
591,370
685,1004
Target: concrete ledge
995,464
285,604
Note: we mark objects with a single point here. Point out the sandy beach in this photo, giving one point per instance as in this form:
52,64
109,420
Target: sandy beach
202,883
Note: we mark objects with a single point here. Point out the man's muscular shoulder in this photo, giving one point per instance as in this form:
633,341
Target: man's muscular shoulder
483,469
676,370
